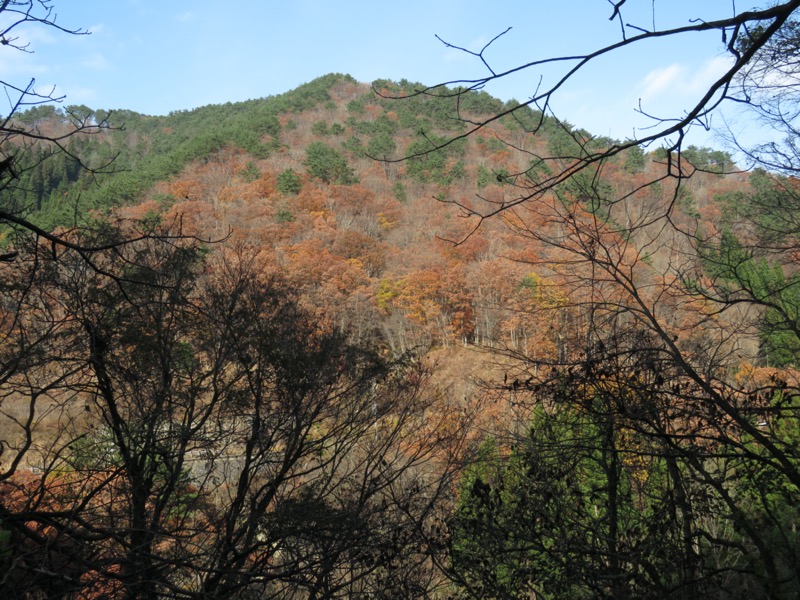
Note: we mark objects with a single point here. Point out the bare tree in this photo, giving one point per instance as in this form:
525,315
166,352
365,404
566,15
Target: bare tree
673,326
211,440
24,140
759,43
175,425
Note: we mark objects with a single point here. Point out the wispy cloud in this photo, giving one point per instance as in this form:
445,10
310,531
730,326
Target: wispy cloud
14,64
680,80
81,95
656,82
96,62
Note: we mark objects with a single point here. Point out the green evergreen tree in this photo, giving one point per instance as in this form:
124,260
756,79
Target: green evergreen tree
289,182
325,163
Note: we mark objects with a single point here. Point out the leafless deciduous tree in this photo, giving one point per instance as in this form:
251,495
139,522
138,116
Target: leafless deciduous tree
173,424
24,143
183,429
761,73
679,342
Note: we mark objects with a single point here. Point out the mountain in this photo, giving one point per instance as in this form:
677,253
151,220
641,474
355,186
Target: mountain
396,340
344,188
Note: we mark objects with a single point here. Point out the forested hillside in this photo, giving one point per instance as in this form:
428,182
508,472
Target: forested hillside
339,188
342,342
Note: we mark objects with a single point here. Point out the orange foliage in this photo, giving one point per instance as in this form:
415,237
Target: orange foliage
194,218
186,189
352,244
310,199
336,241
140,211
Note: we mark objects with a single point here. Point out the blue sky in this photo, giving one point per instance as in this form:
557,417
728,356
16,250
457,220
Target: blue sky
158,56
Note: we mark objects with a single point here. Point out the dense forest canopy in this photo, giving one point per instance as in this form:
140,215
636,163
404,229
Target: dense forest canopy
390,340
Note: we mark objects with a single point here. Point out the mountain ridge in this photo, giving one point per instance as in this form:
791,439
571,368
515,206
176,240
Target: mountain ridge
380,246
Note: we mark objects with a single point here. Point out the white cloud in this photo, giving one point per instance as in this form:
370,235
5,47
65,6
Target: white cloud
658,81
14,63
186,17
81,95
680,80
34,36
711,71
96,62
